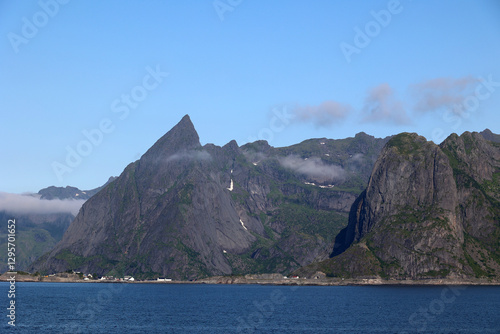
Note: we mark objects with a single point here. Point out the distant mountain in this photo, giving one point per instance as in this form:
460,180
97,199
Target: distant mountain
399,207
488,135
187,211
37,232
70,192
428,211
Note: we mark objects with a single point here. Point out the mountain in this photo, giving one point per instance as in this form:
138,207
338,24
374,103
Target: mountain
187,211
69,192
40,227
428,211
36,234
488,135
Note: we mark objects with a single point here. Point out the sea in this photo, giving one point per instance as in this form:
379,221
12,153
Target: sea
204,308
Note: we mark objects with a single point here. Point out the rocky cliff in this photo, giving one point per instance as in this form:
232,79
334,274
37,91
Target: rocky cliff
428,211
187,211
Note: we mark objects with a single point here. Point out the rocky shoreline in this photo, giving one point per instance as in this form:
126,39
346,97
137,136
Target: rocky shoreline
269,279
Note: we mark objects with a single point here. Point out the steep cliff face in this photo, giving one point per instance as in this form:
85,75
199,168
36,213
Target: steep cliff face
427,211
476,168
187,211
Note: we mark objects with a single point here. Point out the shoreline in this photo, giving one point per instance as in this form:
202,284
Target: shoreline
240,280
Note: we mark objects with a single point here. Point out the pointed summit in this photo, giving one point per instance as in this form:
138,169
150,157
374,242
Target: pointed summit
182,136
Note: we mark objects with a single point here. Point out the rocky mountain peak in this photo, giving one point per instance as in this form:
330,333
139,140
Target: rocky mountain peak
488,135
428,211
182,136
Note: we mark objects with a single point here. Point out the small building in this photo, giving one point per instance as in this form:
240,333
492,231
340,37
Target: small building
161,279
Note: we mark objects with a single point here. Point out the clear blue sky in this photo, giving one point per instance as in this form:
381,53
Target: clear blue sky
65,69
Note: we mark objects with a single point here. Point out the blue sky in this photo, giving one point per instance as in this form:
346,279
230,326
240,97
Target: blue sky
284,71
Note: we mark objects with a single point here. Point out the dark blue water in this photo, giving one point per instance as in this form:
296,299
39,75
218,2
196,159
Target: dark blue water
163,308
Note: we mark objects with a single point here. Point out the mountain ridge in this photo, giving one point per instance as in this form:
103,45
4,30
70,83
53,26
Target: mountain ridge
428,211
189,211
184,210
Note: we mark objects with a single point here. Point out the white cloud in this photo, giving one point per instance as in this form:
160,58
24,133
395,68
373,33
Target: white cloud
313,168
357,158
190,155
32,204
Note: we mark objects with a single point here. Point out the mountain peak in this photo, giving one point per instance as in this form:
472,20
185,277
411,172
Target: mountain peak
489,135
182,136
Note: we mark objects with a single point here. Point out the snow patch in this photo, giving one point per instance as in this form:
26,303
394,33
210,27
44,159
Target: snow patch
254,163
224,251
327,154
314,184
231,186
243,224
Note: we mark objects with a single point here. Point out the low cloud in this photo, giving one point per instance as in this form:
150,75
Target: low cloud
313,168
32,204
440,93
190,155
381,105
357,158
324,114
254,157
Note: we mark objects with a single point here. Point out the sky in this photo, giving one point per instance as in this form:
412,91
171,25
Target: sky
86,87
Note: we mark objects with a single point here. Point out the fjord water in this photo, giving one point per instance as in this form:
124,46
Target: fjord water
198,308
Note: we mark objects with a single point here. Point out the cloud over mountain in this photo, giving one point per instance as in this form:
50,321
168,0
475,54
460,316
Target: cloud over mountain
313,168
32,204
190,155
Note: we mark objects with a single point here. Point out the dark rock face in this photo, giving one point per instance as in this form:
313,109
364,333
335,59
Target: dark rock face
428,210
186,211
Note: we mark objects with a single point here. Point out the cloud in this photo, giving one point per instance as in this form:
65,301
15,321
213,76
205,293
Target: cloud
440,93
357,158
324,114
313,168
381,105
190,155
32,204
254,157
